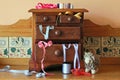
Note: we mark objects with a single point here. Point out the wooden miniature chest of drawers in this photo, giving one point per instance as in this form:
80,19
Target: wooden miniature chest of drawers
67,29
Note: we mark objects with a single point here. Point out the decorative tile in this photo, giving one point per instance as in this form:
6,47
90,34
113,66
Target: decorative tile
3,52
111,52
92,44
20,52
20,47
111,41
3,42
92,41
20,42
111,46
3,47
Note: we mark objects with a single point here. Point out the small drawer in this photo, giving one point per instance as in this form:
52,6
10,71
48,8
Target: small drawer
46,19
54,54
60,33
70,19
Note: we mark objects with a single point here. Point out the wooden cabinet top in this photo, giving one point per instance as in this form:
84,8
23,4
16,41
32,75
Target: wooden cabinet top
57,10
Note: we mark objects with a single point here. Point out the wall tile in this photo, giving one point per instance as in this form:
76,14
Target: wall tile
19,52
104,46
3,42
111,46
3,47
3,52
20,47
20,42
92,44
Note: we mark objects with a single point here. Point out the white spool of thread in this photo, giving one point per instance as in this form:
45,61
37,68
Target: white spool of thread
61,5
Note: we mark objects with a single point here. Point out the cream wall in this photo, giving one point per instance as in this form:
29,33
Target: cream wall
100,11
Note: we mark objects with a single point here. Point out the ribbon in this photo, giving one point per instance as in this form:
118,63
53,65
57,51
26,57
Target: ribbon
64,51
43,45
7,69
77,71
76,57
43,5
46,34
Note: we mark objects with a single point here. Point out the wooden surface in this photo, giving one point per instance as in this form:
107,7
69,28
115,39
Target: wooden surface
106,72
92,29
22,27
57,10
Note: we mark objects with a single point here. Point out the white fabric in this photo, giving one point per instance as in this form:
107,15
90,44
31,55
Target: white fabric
64,51
48,28
76,57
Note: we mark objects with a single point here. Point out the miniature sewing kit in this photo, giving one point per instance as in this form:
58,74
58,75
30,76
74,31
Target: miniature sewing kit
57,39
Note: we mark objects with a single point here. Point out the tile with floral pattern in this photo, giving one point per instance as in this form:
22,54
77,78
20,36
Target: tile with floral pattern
19,52
3,52
92,44
20,47
3,47
111,46
3,42
92,41
20,42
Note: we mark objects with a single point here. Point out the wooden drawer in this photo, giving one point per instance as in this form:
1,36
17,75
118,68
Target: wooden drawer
45,19
54,54
60,33
68,19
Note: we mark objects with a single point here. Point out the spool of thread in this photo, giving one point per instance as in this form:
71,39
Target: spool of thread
71,6
69,13
78,15
67,6
60,5
66,68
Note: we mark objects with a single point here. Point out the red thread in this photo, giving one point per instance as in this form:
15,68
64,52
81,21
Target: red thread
80,72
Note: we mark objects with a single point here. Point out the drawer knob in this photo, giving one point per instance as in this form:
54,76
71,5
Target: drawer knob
58,53
45,18
69,19
58,32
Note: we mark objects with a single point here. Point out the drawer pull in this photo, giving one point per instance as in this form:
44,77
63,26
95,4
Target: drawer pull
58,32
45,18
58,53
69,19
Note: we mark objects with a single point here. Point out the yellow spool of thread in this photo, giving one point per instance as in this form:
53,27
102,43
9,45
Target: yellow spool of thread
78,15
69,13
